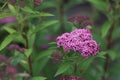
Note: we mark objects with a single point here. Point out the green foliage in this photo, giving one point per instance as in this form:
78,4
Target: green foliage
38,78
44,25
6,41
36,29
105,29
12,9
28,52
63,68
101,5
40,61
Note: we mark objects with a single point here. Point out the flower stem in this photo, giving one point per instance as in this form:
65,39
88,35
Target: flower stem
61,16
109,44
29,58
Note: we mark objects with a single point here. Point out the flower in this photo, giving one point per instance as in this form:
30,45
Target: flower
38,2
13,47
11,70
7,20
79,40
79,20
44,47
69,77
3,58
57,56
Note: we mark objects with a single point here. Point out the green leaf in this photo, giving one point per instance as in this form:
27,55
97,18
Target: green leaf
24,64
12,37
44,25
12,8
43,54
6,41
45,5
40,61
101,5
52,43
101,54
105,28
85,63
27,9
38,78
3,15
39,65
17,58
63,68
39,15
28,52
19,38
9,29
112,54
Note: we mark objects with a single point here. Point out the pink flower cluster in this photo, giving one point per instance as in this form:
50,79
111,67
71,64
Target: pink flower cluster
68,77
79,40
57,56
38,2
13,47
79,20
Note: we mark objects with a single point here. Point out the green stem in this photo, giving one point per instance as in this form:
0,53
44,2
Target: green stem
29,58
109,44
61,16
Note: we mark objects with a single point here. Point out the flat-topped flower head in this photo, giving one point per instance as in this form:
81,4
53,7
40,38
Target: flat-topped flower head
79,21
79,40
68,77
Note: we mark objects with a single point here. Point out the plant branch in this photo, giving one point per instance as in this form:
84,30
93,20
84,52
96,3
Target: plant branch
29,58
109,45
61,16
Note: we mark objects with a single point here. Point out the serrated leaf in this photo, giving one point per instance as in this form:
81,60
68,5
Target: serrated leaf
12,9
9,29
63,68
101,54
38,78
28,9
39,15
6,41
105,28
19,38
28,52
85,63
44,25
17,58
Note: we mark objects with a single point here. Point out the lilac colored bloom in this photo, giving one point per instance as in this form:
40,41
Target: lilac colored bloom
7,20
44,47
79,20
57,56
11,70
37,2
49,38
68,77
13,47
3,58
79,40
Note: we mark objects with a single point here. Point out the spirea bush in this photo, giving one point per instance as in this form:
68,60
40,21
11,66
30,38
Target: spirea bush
59,40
